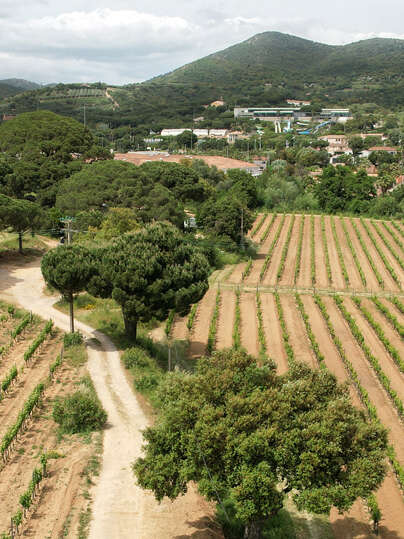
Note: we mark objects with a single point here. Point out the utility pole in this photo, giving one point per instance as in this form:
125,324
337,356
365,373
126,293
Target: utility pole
68,228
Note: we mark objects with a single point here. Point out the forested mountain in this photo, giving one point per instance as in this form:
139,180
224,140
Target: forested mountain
10,87
263,70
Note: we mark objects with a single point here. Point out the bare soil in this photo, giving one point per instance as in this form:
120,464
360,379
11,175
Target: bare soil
355,281
387,278
288,276
249,323
180,330
321,270
273,334
270,275
304,279
337,277
371,281
297,331
224,332
200,331
254,276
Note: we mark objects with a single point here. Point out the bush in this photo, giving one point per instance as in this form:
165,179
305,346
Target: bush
72,339
147,382
79,412
135,357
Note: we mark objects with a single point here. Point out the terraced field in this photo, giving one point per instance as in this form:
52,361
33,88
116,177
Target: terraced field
323,290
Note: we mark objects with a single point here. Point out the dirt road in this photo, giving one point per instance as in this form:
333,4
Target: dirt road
120,508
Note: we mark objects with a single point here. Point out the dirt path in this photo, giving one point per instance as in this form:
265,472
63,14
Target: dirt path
304,278
224,332
119,506
237,274
260,232
393,309
273,334
249,323
115,104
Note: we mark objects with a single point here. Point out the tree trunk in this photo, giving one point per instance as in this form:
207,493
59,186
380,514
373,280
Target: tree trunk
252,530
130,326
20,242
71,313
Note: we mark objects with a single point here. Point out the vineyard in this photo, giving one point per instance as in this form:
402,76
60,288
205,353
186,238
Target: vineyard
326,291
40,475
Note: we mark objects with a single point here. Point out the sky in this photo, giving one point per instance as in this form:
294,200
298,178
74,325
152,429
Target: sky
125,41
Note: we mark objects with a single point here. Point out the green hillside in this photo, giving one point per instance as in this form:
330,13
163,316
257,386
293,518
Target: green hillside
263,70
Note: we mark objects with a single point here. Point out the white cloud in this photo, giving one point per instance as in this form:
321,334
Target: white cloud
42,42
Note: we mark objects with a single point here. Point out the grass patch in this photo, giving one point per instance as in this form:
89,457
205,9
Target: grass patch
75,355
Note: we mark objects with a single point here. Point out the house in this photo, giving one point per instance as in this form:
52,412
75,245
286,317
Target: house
389,149
298,103
337,144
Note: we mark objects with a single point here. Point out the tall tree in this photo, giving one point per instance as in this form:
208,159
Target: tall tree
68,269
239,429
151,272
18,215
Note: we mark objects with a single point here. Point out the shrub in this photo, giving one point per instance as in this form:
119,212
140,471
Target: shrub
135,357
79,412
72,339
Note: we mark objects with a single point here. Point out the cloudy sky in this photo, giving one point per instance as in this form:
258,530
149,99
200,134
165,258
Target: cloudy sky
120,42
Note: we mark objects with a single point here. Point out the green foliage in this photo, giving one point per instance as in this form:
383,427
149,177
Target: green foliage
72,339
387,243
191,317
150,272
79,413
18,216
237,323
389,267
394,353
285,333
169,323
368,256
339,252
353,252
398,304
325,247
285,249
390,316
67,268
299,250
22,325
261,332
27,408
312,251
247,269
313,341
384,379
224,427
36,343
271,249
259,225
210,346
268,229
222,216
7,381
